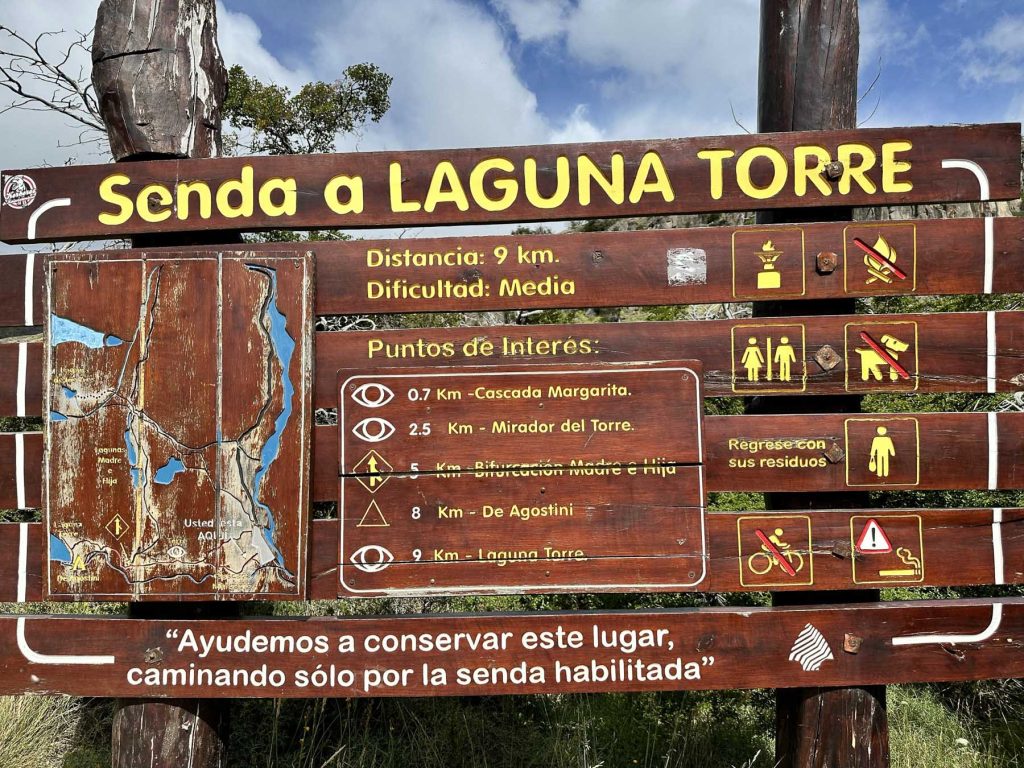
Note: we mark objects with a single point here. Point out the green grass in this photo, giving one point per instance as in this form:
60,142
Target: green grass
36,731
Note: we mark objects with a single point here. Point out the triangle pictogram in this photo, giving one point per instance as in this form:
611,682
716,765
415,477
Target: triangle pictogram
873,539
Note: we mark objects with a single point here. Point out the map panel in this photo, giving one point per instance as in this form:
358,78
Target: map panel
177,437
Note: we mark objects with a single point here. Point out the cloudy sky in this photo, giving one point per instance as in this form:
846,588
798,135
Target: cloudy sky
499,72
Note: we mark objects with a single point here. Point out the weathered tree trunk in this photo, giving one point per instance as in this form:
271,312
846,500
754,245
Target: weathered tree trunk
161,83
808,81
160,77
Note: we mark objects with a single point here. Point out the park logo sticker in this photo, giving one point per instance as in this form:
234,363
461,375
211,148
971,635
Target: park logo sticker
810,649
19,191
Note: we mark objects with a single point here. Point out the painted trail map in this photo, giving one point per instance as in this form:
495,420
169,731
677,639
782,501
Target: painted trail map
177,428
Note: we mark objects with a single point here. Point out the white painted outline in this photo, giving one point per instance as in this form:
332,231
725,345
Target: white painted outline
19,469
977,170
30,265
990,352
57,202
993,451
43,658
494,589
23,563
983,191
990,237
997,608
19,394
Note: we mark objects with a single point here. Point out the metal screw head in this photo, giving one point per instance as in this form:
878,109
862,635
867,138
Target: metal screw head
852,643
841,549
827,358
827,262
833,170
835,453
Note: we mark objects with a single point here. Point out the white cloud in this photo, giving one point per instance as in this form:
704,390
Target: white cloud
34,138
535,20
454,81
996,56
241,43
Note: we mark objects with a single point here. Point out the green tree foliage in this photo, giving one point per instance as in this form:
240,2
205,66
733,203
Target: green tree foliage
274,121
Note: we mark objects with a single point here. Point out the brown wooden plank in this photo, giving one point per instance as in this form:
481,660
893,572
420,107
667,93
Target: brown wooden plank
955,547
658,267
597,269
952,352
539,183
21,568
455,417
21,289
955,451
694,649
178,437
943,353
21,461
552,529
825,452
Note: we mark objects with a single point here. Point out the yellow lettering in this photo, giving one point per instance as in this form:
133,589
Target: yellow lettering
108,195
802,172
561,188
444,176
243,186
398,205
287,206
588,171
201,188
716,157
780,172
859,171
145,200
891,166
650,163
354,186
508,187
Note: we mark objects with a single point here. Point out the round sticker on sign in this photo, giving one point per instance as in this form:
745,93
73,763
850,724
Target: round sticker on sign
19,191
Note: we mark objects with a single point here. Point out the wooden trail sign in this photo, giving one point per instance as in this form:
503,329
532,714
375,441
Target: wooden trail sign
685,266
954,352
806,452
952,547
868,451
490,654
177,437
599,466
889,166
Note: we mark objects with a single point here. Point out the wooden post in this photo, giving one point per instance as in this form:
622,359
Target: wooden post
808,81
161,82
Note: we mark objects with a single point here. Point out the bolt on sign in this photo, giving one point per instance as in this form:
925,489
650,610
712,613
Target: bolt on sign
177,437
540,478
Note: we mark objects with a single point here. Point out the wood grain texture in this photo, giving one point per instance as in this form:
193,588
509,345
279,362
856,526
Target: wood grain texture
955,547
659,267
946,451
397,195
461,417
179,425
696,649
159,77
651,267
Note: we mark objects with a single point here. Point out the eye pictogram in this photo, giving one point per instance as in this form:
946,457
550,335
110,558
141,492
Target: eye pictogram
372,558
176,552
373,429
373,395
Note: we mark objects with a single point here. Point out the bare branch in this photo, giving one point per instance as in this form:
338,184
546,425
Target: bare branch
41,81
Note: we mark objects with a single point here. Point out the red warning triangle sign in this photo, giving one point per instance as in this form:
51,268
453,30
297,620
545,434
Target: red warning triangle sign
873,539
